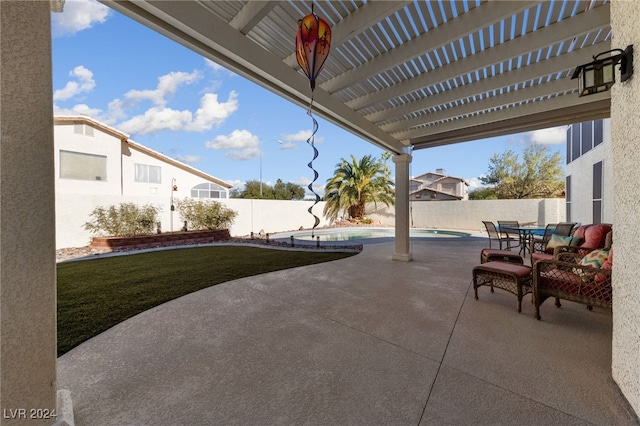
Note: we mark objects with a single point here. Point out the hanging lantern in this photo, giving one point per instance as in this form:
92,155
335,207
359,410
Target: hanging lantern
313,40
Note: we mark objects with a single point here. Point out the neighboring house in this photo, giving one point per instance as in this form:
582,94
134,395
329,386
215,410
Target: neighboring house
437,186
589,172
97,165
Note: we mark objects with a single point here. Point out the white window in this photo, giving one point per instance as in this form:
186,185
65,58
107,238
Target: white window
208,190
147,173
82,129
81,166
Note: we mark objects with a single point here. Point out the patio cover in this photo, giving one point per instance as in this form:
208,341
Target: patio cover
407,74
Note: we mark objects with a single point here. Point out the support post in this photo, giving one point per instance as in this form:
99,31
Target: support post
27,216
402,247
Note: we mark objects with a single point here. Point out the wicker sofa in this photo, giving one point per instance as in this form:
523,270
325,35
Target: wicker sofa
585,237
564,277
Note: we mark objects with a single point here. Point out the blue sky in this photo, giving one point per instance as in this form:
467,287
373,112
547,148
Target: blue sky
176,102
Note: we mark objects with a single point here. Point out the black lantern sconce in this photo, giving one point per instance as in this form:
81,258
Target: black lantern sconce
599,75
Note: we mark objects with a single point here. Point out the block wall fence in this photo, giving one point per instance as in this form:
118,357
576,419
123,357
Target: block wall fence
271,216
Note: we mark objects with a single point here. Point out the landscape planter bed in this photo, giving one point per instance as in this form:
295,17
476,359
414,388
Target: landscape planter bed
160,240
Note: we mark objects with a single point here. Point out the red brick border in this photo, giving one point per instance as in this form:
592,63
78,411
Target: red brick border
161,240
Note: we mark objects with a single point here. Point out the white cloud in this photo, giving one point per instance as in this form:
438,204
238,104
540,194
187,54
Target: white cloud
116,111
474,183
84,84
78,15
242,145
212,112
304,182
288,145
237,184
155,120
80,109
214,66
552,136
167,86
160,118
189,159
301,136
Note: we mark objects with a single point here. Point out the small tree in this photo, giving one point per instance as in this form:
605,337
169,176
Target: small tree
287,191
279,191
483,193
125,220
201,214
539,175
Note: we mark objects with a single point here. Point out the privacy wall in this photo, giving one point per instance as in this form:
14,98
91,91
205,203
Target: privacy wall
271,216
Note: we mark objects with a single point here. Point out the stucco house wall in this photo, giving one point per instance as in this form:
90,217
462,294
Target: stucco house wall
625,138
581,172
77,198
67,138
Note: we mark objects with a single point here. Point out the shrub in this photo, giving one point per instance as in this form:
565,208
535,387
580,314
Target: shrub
200,214
125,220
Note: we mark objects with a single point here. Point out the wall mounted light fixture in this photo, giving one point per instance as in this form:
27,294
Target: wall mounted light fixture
599,75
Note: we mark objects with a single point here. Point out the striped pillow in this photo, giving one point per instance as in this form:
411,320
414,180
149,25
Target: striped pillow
596,258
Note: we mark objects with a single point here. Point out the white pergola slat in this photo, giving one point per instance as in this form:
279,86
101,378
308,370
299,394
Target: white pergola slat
407,74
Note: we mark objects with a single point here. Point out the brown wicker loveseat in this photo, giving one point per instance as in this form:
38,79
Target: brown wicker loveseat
566,278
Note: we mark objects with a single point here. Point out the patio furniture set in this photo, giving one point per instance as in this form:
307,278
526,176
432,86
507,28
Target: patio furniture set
568,261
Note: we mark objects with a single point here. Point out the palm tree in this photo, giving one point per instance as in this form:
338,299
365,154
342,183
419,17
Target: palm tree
357,183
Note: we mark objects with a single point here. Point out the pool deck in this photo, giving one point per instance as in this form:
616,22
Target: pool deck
359,341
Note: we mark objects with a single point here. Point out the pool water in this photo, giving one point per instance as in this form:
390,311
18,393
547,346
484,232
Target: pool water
348,234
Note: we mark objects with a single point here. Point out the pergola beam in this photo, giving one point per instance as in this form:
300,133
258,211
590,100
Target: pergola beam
580,24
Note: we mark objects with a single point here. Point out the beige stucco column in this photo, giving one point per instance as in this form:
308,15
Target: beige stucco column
402,249
27,228
625,141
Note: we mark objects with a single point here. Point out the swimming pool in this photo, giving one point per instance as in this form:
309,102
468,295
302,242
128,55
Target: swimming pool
359,233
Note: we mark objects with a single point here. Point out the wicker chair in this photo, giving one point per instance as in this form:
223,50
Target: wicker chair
565,278
564,229
493,233
539,242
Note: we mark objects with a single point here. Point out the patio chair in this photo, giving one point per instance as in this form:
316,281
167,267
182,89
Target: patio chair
510,229
564,229
493,233
539,242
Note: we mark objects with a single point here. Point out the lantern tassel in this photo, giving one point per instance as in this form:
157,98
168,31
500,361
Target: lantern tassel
311,141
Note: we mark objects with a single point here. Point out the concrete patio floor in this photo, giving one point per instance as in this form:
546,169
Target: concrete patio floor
360,341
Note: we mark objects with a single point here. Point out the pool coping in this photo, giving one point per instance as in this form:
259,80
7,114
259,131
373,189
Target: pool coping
286,236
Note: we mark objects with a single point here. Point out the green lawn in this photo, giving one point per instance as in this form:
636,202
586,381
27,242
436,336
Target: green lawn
96,294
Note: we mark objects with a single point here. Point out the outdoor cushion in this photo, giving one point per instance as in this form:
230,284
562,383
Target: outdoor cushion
608,265
569,282
541,256
595,235
580,230
601,278
557,241
561,280
596,258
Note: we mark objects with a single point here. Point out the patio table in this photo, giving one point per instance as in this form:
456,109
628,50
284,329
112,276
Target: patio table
526,233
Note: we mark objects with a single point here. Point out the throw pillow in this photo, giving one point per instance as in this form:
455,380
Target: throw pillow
608,264
602,278
595,259
558,241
